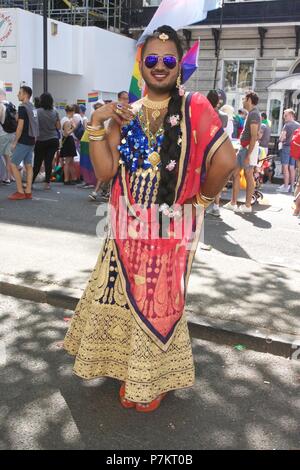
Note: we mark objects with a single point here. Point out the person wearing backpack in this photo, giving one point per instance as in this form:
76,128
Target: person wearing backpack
23,144
287,161
8,126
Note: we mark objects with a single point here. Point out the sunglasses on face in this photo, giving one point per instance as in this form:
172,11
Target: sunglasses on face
169,61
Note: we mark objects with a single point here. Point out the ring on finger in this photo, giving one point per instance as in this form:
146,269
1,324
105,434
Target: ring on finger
119,112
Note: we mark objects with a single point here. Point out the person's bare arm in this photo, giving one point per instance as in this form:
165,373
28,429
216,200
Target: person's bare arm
253,139
2,113
67,129
104,154
18,133
282,137
222,165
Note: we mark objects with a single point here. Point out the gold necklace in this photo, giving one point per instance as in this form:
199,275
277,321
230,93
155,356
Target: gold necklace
157,106
154,157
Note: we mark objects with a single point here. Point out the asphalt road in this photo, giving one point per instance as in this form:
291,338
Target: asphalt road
241,399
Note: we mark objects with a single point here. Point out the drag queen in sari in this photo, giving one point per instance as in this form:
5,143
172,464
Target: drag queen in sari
167,156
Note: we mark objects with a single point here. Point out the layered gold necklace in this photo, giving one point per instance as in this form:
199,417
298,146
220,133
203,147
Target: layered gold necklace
155,106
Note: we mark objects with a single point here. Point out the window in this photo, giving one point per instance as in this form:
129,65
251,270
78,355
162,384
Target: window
238,75
274,115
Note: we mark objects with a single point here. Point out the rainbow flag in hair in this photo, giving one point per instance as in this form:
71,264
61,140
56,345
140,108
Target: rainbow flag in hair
81,102
189,61
8,87
134,91
86,167
93,97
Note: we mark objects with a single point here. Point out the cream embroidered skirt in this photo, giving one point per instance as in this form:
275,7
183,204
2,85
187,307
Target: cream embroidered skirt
107,341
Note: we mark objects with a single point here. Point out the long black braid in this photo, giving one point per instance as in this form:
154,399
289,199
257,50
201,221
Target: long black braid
170,149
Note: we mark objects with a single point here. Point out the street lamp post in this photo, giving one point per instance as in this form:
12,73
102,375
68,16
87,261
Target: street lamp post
45,45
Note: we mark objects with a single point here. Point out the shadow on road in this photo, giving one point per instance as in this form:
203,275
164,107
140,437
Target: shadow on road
240,401
264,298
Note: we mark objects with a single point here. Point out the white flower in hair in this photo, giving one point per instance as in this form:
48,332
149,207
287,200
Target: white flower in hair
174,120
171,165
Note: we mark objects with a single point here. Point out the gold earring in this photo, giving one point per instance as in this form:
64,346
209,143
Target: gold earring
141,83
180,87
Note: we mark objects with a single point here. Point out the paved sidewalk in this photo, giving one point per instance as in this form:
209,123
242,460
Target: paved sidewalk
247,286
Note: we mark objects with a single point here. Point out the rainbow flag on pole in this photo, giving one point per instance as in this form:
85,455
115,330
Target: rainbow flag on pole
93,96
81,102
8,87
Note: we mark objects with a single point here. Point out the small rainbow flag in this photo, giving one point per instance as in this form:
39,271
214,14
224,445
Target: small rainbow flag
81,102
86,167
8,87
135,93
92,97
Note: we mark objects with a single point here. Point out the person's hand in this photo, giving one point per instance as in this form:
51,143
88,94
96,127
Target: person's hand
117,111
13,146
247,161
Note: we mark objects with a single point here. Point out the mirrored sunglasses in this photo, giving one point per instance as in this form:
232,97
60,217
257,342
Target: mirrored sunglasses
169,61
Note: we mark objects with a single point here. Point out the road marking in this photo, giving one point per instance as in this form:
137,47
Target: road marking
44,199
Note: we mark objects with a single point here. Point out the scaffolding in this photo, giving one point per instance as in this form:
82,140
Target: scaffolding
113,15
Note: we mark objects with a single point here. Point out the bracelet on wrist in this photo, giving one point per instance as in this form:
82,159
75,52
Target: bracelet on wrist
203,201
96,138
89,127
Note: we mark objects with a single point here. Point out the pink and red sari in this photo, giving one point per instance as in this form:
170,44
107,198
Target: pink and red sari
155,271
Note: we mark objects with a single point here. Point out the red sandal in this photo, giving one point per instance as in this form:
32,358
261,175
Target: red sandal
124,402
152,406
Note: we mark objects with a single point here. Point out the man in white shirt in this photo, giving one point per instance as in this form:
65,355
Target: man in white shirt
6,139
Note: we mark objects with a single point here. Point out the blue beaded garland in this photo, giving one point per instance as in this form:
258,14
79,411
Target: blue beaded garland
135,146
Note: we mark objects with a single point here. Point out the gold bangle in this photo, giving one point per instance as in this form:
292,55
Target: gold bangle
99,138
96,135
98,132
206,198
202,201
94,128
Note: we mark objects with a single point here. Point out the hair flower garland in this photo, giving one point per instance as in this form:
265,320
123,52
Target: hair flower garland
169,211
171,165
174,120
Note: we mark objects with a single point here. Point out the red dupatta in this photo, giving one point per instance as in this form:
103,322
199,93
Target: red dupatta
154,272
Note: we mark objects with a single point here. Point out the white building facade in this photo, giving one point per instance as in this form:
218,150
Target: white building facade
81,60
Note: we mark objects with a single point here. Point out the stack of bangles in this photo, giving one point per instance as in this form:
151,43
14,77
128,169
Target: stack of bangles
96,133
203,201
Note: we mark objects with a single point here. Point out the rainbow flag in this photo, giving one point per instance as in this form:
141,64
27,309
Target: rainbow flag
134,91
81,102
190,61
93,96
8,87
86,167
